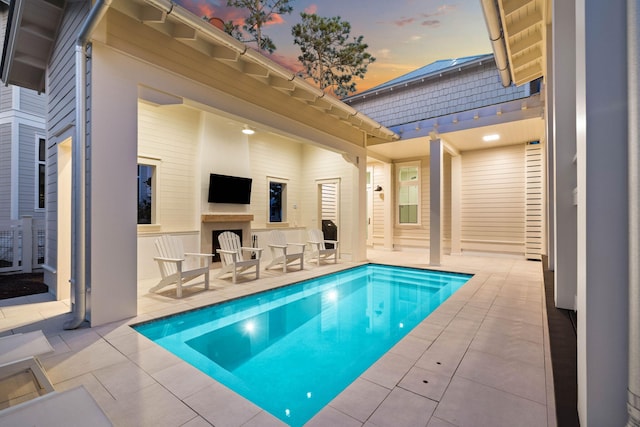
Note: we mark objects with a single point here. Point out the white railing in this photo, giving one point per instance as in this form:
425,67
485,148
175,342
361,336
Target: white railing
15,254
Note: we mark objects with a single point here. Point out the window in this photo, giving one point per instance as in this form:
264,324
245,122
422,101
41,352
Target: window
277,200
409,193
148,191
145,194
41,172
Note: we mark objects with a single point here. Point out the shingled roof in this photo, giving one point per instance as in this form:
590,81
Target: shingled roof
435,69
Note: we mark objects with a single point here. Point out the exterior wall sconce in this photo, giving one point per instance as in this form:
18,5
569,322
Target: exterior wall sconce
248,131
378,188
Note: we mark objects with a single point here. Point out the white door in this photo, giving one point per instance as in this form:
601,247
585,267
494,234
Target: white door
329,208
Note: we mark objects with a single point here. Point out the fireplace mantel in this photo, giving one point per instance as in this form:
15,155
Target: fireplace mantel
227,217
225,221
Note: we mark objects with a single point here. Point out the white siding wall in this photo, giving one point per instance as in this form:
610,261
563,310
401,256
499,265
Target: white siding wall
5,171
33,103
408,236
27,171
6,98
322,164
61,71
276,158
60,115
171,133
493,196
378,217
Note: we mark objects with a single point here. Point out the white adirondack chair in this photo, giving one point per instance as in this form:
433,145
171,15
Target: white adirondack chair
172,265
280,251
318,247
232,259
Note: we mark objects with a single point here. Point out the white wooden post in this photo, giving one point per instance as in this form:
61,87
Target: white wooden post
436,198
27,243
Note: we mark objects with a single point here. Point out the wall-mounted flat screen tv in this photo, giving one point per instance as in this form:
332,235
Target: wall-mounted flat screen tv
229,189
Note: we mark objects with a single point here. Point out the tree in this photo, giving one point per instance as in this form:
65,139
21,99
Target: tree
328,56
261,12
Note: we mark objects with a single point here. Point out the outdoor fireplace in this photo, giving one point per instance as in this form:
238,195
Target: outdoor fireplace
214,223
216,243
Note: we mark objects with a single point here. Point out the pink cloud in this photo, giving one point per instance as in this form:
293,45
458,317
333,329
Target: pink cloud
311,9
288,62
276,19
441,10
430,23
403,21
446,8
209,9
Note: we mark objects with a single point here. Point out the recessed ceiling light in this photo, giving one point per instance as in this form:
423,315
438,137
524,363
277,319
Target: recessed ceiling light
492,137
248,131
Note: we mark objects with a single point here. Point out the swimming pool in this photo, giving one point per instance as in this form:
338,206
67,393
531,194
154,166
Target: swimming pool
291,350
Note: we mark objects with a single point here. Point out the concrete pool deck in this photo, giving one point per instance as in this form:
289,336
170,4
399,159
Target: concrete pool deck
481,359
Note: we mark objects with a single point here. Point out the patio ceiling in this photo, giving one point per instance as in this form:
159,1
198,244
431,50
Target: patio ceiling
516,122
32,28
510,133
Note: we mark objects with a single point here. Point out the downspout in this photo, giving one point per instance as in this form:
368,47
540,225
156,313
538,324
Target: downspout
78,164
492,19
633,66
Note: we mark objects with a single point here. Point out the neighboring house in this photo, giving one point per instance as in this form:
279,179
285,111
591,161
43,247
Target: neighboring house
22,146
22,165
491,194
587,52
133,140
22,177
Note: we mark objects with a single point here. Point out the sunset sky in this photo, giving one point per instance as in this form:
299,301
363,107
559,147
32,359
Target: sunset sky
402,35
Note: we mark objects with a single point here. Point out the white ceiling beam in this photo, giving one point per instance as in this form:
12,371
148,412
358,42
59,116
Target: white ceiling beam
518,26
513,6
303,95
224,53
529,57
184,32
282,84
149,14
528,74
254,69
31,61
38,32
526,42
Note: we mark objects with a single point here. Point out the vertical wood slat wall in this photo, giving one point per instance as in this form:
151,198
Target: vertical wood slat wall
535,226
329,208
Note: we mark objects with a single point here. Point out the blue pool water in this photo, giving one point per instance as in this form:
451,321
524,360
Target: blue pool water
291,350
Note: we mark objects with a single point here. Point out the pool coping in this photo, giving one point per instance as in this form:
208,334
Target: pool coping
466,276
137,382
441,313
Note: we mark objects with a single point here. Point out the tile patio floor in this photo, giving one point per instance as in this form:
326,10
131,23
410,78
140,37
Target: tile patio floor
481,359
